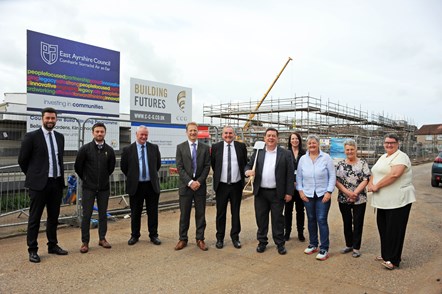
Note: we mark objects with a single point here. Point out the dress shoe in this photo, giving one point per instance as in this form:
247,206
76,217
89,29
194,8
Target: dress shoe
103,243
282,250
155,240
236,244
181,244
301,237
219,244
33,257
132,240
84,248
57,250
261,248
201,245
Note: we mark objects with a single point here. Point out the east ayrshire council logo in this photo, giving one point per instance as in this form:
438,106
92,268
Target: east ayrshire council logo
49,53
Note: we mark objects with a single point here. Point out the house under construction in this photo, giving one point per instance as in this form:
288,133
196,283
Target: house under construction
309,115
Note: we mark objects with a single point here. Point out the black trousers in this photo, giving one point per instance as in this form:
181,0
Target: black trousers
87,202
144,194
268,202
288,214
50,197
200,213
353,219
224,194
392,224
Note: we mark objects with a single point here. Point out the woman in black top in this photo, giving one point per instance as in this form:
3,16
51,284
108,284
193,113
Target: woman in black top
296,150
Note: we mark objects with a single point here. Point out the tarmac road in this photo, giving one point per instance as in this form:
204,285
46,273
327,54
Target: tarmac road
146,268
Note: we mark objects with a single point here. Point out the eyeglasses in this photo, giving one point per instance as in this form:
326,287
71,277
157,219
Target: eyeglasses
390,143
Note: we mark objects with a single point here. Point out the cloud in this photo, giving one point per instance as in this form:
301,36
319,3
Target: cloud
377,55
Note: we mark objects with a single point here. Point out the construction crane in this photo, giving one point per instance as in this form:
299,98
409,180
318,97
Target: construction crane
252,114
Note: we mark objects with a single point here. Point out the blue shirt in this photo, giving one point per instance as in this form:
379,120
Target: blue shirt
316,176
140,163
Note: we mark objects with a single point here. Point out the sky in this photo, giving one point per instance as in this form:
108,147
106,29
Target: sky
380,56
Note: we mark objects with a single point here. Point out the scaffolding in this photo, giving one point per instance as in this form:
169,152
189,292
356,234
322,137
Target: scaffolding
309,115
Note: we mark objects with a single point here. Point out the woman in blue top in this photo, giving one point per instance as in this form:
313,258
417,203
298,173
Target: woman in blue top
315,181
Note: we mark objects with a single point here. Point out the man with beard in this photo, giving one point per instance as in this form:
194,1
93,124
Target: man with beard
94,164
41,160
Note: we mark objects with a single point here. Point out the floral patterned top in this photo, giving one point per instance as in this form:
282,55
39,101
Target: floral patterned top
351,175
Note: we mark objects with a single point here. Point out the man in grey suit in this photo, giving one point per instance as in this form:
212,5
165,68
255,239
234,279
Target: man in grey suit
229,159
273,185
41,160
193,164
140,162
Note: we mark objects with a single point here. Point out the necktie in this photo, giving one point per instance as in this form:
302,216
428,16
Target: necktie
229,165
194,158
54,157
100,146
143,163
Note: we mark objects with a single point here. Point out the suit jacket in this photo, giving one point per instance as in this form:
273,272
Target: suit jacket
184,166
130,166
217,160
34,159
284,172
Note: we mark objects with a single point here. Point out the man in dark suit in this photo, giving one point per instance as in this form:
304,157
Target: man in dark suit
41,160
228,182
94,164
140,162
193,164
272,187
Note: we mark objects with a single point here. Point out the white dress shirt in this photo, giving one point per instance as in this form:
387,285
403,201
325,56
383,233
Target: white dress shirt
268,170
236,177
48,144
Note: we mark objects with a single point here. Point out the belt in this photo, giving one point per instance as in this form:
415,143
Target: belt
267,189
230,183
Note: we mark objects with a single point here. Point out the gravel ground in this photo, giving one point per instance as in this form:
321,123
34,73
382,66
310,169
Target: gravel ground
147,268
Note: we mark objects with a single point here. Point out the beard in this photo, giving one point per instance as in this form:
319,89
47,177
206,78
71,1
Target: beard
99,139
48,125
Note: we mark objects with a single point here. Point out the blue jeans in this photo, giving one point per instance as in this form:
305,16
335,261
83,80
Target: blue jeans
317,214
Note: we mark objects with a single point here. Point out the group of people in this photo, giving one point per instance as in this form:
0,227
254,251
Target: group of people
282,179
390,181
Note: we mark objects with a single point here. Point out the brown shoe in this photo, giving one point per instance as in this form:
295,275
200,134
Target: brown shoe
103,243
201,245
84,248
181,244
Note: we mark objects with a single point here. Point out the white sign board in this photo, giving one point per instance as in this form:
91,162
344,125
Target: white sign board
153,102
